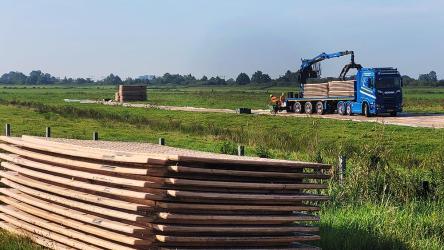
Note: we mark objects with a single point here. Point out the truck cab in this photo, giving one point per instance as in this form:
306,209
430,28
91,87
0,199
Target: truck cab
378,90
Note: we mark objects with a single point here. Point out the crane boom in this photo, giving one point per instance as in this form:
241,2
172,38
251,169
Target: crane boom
310,69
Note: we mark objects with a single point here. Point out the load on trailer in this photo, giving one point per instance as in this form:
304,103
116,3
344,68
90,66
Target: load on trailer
373,91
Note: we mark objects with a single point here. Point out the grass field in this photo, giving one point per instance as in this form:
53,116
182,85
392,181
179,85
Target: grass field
381,204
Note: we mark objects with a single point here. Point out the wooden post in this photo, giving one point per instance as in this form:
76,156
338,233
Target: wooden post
341,168
8,129
48,132
96,136
240,150
161,141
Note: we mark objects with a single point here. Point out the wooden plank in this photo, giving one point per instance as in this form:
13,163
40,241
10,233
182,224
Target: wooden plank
236,207
37,239
236,229
235,219
100,200
74,163
123,238
235,241
74,214
257,174
83,185
47,234
77,204
71,233
276,199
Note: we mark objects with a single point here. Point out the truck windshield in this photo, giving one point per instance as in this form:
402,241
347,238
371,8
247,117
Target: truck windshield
388,83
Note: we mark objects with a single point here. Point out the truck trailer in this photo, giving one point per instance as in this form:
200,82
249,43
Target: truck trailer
373,91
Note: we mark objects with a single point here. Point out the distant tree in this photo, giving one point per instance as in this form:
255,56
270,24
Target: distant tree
230,81
259,77
112,79
242,79
216,81
289,77
13,77
34,77
408,81
204,78
430,77
80,81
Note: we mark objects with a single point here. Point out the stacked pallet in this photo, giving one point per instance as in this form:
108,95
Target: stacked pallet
128,93
341,88
316,90
72,194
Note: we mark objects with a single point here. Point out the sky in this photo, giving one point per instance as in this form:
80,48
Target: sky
93,38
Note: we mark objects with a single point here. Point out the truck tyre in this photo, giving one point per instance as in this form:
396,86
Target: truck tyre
308,108
348,109
341,108
297,107
320,108
394,113
366,110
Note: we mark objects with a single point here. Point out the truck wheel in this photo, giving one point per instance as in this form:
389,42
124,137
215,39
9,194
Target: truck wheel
366,110
297,107
341,108
320,108
308,108
394,113
348,109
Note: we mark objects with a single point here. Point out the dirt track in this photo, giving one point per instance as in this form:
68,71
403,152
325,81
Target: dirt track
404,119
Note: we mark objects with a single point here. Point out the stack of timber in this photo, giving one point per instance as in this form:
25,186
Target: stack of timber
316,90
128,93
341,88
73,194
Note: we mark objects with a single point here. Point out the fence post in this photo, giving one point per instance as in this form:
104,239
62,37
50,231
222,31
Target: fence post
48,132
342,168
161,141
8,129
240,150
96,136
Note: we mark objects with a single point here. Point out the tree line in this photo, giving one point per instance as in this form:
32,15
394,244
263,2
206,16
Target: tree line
37,77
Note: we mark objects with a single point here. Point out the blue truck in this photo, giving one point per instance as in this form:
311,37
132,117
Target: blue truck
373,91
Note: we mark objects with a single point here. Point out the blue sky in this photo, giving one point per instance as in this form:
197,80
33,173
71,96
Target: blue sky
85,38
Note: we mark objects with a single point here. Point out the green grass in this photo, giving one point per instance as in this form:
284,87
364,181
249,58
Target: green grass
12,242
381,204
416,225
415,99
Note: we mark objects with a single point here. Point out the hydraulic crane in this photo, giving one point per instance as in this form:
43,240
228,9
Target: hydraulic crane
310,68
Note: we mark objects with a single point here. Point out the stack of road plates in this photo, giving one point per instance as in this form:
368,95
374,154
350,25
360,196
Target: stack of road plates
128,93
341,88
316,90
73,194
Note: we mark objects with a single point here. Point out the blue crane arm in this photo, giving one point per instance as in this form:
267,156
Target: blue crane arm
309,70
308,62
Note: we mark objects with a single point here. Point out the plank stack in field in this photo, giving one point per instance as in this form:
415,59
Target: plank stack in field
341,88
73,194
316,90
128,93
